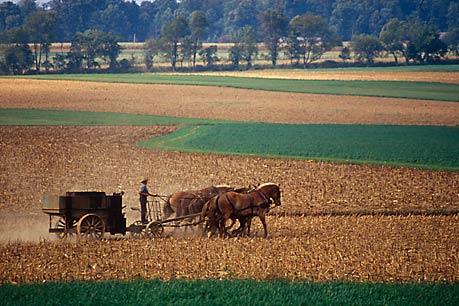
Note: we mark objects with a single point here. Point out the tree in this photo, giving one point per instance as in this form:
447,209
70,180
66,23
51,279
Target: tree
172,33
75,16
18,58
240,13
345,54
293,49
246,45
27,7
273,25
209,56
10,16
108,48
151,49
366,47
186,50
235,55
424,42
451,39
14,36
451,16
313,35
345,17
392,36
198,26
92,44
215,19
41,26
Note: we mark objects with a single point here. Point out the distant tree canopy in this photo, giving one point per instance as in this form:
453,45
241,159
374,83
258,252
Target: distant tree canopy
140,22
175,30
91,44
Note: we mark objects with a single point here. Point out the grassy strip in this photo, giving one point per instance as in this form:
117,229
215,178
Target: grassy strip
412,90
412,146
226,292
14,116
428,147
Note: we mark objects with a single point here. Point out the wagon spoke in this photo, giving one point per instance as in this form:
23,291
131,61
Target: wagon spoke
65,232
154,229
91,226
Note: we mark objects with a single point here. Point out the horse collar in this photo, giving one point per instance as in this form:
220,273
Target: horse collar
264,197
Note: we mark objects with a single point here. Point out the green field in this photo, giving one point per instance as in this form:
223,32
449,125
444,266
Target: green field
411,146
412,90
26,116
227,292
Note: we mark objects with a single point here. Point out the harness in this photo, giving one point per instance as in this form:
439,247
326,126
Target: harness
267,200
266,204
216,205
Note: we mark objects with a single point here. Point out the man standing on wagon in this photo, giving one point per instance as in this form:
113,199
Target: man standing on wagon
143,194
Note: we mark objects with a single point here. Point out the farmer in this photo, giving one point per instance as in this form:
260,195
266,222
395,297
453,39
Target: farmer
143,194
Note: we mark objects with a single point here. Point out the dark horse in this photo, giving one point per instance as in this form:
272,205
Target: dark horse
233,205
187,202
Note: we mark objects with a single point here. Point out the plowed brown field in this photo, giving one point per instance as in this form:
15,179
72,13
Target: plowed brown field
38,160
224,103
345,75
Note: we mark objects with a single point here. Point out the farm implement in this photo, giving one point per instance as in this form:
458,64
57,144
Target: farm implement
91,214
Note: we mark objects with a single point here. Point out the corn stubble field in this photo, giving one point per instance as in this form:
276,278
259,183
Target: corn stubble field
336,222
357,248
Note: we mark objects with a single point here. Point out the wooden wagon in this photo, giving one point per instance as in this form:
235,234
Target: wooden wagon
91,214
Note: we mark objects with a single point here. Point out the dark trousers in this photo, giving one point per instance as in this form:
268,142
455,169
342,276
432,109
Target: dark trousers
143,211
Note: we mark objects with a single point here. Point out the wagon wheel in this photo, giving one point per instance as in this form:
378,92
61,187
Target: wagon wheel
66,233
91,226
137,230
154,229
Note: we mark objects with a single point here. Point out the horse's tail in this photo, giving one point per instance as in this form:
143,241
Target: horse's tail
167,208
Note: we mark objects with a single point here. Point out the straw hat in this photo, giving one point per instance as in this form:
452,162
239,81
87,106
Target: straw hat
144,179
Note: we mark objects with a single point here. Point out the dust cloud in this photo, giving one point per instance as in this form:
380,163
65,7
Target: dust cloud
26,227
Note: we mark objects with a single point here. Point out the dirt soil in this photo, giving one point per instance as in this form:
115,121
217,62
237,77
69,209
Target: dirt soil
346,75
224,103
52,160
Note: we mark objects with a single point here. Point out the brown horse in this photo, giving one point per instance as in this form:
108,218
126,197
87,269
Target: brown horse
180,202
195,205
242,207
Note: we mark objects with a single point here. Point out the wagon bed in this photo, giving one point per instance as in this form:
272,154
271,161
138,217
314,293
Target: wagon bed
85,213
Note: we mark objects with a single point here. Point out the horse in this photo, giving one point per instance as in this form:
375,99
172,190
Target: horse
243,207
180,201
195,205
192,206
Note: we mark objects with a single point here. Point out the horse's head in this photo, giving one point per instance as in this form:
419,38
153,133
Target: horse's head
271,191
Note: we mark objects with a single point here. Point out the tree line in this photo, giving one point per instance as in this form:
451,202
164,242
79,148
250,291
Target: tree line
176,31
131,21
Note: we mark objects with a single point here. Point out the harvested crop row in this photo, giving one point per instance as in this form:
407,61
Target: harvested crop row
347,75
375,249
223,103
103,158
